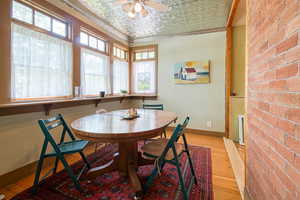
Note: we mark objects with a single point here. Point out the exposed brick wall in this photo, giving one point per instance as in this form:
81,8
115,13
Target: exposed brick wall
273,141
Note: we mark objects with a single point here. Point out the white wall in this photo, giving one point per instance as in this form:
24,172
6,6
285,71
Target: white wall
203,102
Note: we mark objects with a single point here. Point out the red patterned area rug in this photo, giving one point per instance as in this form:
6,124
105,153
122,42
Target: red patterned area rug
111,186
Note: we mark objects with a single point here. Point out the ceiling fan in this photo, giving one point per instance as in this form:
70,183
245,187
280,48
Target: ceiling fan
133,7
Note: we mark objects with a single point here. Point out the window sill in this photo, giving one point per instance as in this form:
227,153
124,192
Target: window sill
48,105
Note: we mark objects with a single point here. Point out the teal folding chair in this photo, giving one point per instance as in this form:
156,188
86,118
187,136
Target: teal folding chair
155,107
60,149
169,151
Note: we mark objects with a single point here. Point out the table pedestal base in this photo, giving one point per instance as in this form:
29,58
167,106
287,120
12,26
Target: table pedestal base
126,161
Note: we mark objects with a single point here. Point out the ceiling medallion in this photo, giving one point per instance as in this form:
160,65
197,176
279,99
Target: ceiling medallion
135,7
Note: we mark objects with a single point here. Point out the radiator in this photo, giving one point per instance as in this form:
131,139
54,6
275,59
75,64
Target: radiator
241,119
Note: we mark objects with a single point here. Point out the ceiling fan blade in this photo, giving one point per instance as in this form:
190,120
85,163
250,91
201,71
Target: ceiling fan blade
127,7
120,2
156,5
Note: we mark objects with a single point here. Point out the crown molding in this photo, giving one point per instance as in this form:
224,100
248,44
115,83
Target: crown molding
133,41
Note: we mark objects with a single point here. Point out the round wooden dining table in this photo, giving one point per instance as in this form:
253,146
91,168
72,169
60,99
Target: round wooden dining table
110,127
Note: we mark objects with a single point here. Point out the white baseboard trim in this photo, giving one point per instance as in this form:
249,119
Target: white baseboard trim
237,164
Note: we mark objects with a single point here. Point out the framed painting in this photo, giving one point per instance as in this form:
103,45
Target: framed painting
192,72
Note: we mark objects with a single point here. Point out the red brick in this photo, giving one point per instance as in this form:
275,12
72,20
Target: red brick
289,99
293,25
264,106
269,119
290,12
279,110
297,161
286,126
297,132
278,85
277,187
287,44
288,71
287,181
264,47
293,144
294,115
270,75
285,152
293,84
293,173
292,55
276,61
276,35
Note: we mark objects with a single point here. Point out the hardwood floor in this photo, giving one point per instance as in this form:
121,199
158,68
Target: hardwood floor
224,185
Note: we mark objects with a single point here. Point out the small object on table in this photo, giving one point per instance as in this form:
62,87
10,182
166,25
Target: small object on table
102,94
131,114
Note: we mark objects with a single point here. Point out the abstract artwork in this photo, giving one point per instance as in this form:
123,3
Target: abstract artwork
192,72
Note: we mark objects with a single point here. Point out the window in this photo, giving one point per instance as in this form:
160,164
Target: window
120,70
120,76
22,12
42,21
94,73
41,65
144,77
144,71
144,55
120,53
84,38
91,41
53,25
59,27
101,45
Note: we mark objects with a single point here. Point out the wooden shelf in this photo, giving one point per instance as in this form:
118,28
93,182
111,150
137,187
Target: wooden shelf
46,106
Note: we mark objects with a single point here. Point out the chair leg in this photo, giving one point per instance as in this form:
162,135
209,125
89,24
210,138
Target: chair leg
96,146
190,159
192,166
39,167
165,133
70,172
55,165
181,181
150,179
85,160
37,174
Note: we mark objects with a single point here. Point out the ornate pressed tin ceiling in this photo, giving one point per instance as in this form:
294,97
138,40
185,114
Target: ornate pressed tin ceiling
184,16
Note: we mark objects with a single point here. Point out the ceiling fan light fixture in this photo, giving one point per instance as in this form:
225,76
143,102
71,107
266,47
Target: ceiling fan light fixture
131,14
138,7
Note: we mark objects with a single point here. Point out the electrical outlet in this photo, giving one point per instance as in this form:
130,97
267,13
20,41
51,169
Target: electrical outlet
209,124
